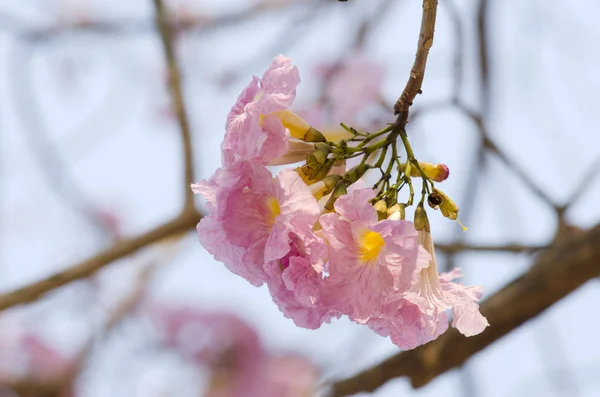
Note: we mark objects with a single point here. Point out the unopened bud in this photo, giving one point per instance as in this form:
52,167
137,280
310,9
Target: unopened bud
421,220
313,135
324,187
307,173
296,124
321,152
339,167
381,208
396,212
435,172
305,178
339,191
355,173
323,170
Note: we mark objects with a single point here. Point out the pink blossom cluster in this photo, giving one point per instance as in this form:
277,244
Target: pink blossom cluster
232,353
316,264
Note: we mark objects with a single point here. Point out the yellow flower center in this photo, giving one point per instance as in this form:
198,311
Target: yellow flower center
370,244
274,209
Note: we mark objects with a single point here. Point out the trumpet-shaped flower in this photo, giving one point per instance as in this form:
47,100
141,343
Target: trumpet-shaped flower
369,260
254,132
419,315
252,217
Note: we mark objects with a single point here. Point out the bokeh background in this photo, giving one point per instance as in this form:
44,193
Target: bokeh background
90,152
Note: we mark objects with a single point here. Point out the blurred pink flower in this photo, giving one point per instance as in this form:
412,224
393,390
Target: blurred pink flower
232,353
369,260
203,337
354,85
25,356
252,218
253,131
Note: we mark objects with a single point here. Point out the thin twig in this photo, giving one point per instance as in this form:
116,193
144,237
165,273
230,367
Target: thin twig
166,35
584,184
513,248
484,57
459,52
492,147
204,24
559,271
88,267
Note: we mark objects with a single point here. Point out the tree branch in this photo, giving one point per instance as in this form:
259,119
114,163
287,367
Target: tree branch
514,248
187,220
166,35
417,73
559,271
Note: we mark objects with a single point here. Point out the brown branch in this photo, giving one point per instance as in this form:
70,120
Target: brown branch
514,248
417,73
187,220
484,57
166,35
558,271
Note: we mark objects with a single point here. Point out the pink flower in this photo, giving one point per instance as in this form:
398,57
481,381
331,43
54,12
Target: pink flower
232,353
369,260
203,337
25,355
286,376
419,315
253,218
296,281
354,86
253,130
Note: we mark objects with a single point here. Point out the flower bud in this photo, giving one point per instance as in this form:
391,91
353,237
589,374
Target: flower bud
323,170
339,167
298,127
435,172
421,220
396,212
325,186
296,124
313,135
306,174
355,173
297,151
339,191
381,208
321,152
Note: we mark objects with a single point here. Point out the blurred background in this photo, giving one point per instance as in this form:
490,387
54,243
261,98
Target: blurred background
91,153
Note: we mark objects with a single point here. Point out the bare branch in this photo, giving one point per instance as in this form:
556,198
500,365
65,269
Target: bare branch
584,184
88,267
514,248
127,27
166,35
417,73
558,271
492,147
